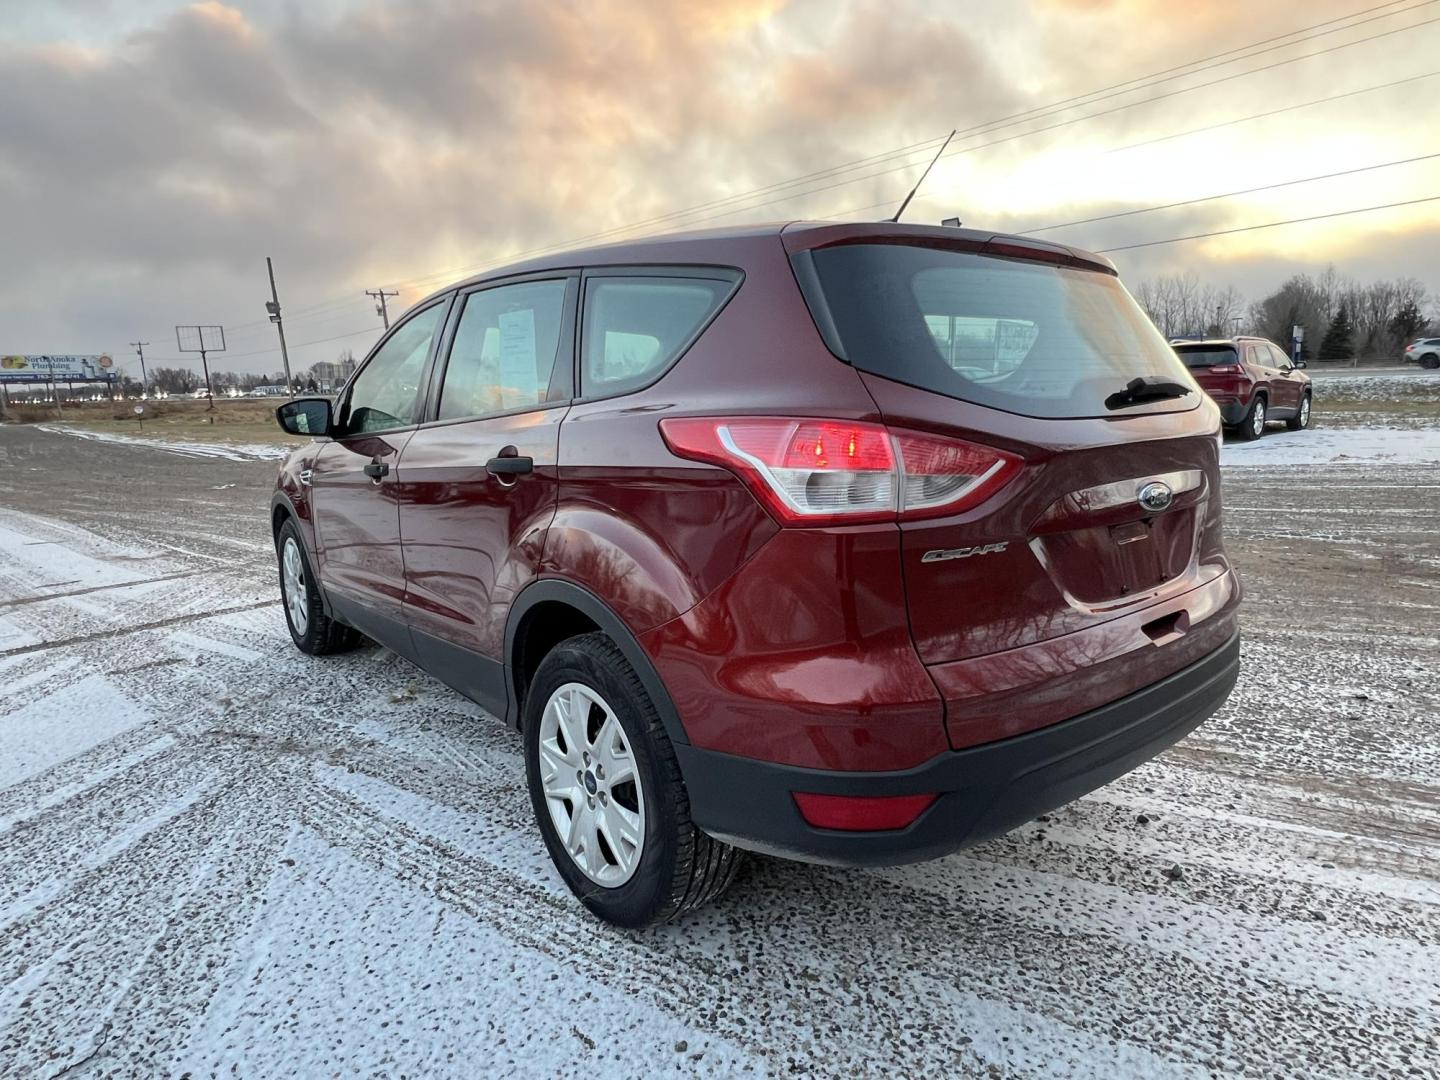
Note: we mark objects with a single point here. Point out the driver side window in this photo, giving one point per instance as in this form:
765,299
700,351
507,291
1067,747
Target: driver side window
386,392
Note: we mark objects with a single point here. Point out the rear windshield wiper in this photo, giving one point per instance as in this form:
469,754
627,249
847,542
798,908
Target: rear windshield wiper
1141,390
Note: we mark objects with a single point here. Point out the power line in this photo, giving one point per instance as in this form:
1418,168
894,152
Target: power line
1193,131
1271,224
954,153
301,344
1035,113
1273,112
1232,194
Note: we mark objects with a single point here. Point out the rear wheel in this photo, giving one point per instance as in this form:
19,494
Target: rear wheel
607,791
310,628
1430,360
1301,420
1253,426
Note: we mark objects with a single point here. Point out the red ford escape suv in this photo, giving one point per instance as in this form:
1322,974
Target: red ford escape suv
851,543
1253,382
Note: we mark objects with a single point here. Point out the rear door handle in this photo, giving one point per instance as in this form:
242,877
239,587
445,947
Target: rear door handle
510,465
376,469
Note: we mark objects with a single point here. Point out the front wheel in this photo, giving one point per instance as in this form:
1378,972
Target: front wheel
607,791
1301,420
310,628
1253,426
1430,360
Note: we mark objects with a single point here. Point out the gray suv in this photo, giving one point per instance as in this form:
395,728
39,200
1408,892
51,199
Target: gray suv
1425,352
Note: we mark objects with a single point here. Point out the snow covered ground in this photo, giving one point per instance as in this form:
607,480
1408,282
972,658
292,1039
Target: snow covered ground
218,856
228,450
1335,446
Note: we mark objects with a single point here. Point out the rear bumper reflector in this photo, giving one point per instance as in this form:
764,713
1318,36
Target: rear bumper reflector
861,813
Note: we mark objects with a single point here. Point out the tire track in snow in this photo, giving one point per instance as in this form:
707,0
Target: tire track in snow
1073,977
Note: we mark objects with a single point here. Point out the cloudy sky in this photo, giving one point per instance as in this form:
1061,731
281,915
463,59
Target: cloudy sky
153,153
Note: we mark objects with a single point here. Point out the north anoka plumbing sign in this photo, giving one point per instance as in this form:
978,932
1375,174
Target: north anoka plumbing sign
88,367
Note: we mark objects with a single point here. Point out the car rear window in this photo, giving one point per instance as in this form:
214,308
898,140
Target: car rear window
1031,338
1210,356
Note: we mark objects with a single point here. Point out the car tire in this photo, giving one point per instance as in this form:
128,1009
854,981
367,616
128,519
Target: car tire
586,686
1430,360
1301,420
1253,426
311,629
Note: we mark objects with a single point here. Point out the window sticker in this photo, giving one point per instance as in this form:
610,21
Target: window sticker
519,382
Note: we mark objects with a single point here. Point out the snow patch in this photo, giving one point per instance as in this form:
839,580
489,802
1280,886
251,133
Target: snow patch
1336,446
68,722
225,450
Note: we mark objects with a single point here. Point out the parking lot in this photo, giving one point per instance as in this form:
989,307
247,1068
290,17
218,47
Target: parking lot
218,855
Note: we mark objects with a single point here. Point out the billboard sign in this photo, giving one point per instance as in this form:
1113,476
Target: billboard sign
90,367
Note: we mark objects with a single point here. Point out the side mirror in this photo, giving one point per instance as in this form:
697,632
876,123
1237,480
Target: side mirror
1299,363
306,416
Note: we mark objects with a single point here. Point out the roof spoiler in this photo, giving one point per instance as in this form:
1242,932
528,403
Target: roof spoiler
804,236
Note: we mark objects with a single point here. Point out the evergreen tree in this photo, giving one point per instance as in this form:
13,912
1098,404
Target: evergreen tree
1338,339
1408,323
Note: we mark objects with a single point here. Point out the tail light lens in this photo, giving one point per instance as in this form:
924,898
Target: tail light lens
816,472
1227,369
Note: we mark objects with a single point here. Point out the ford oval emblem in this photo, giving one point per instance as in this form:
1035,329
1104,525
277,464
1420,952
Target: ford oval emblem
1155,496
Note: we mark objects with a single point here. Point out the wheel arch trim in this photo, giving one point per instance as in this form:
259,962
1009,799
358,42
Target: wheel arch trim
558,590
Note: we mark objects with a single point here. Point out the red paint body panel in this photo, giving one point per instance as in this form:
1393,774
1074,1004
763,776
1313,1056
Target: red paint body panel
646,544
471,542
804,657
1008,693
358,521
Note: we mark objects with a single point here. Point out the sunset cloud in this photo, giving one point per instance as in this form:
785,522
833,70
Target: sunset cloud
154,154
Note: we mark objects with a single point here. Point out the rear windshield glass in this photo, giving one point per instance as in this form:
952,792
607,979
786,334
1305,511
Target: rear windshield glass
1029,338
1208,357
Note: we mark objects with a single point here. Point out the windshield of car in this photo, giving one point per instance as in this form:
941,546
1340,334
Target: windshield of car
1031,338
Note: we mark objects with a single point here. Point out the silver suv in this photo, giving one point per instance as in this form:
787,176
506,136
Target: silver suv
1425,352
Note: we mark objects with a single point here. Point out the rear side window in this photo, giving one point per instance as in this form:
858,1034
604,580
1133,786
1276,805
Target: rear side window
1204,358
635,327
503,356
1030,338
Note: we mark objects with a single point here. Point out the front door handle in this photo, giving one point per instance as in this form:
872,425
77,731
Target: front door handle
509,465
376,469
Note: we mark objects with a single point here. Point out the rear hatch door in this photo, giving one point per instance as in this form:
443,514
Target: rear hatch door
1116,506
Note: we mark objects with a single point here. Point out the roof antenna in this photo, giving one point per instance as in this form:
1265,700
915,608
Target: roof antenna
924,174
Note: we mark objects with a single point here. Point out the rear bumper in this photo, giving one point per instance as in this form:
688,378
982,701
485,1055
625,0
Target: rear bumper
1232,411
983,791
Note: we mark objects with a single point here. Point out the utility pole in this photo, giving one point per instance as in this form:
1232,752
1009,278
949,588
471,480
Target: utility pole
273,307
140,352
380,308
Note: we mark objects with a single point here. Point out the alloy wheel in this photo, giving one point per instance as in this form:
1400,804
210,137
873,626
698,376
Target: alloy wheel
1305,411
591,784
292,579
1257,423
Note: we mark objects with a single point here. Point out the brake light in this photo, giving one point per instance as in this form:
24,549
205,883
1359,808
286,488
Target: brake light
816,472
1227,369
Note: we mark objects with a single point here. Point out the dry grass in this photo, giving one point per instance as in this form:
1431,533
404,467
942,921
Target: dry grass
180,412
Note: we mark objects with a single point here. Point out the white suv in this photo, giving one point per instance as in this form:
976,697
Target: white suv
1425,352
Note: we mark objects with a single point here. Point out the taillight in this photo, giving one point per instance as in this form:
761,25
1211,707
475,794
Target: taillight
816,472
1226,369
